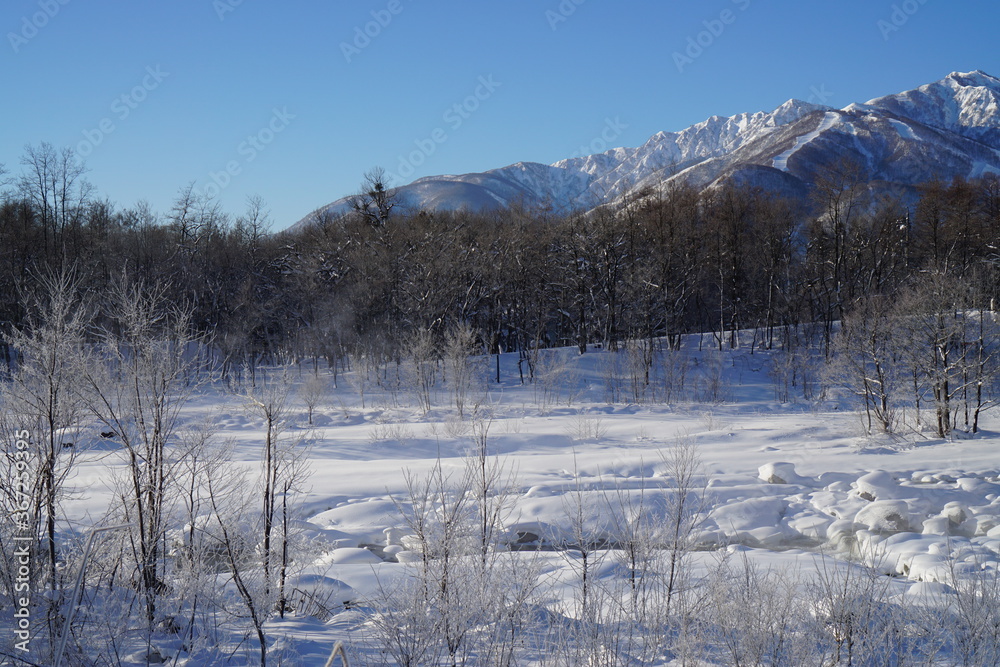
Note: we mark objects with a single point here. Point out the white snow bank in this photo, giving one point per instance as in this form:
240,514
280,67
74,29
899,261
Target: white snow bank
880,485
782,473
885,517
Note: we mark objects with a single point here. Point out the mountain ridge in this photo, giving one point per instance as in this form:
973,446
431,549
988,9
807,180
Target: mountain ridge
943,129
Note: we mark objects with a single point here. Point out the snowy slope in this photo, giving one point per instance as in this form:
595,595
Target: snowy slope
941,130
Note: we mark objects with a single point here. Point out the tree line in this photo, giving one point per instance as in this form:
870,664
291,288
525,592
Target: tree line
654,264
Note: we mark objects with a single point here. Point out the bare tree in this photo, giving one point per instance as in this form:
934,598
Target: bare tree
468,599
867,362
585,543
253,227
683,467
268,399
407,633
637,534
137,384
203,468
375,200
53,182
857,622
363,367
975,627
461,369
232,529
281,475
313,390
840,197
492,486
293,472
184,218
437,512
943,345
755,615
43,396
422,367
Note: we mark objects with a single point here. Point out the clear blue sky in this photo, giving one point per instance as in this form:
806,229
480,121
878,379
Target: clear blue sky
200,77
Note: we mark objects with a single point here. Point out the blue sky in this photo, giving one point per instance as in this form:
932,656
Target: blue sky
293,101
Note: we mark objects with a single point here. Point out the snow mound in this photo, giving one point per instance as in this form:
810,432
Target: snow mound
755,522
781,473
352,556
885,517
323,588
880,485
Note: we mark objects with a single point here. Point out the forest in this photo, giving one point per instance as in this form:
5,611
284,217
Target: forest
657,264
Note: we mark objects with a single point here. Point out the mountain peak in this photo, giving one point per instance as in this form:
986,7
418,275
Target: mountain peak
796,103
794,109
975,78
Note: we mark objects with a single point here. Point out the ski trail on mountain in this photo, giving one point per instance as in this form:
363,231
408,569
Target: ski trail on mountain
904,130
829,120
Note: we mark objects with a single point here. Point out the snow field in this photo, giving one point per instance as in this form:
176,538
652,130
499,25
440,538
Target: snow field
791,489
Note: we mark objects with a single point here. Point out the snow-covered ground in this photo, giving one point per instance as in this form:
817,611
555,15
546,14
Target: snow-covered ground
795,488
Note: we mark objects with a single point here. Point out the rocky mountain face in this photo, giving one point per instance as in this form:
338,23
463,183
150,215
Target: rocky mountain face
941,130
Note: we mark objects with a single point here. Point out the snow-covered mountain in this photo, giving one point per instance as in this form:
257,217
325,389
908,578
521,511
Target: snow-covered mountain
941,130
